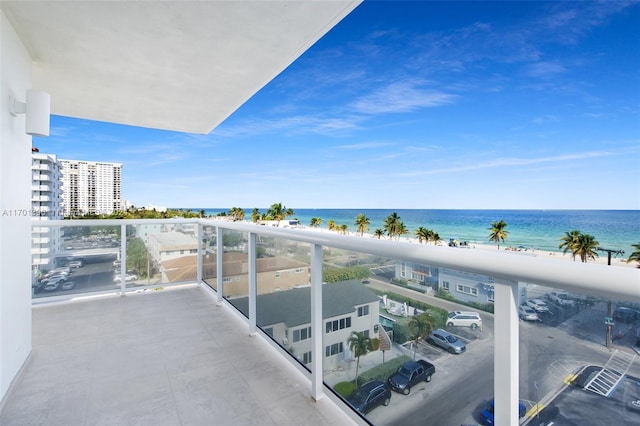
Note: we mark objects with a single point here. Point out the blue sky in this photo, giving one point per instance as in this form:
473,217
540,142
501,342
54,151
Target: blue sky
480,105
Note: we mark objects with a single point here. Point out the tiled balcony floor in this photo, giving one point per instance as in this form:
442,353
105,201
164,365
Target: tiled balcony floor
168,357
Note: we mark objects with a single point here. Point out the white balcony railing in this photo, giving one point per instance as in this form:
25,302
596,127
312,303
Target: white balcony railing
507,271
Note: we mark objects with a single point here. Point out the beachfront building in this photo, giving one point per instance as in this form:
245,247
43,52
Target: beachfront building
46,204
164,246
347,306
467,287
274,274
422,277
91,187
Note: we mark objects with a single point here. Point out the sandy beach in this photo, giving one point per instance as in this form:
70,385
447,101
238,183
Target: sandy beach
602,259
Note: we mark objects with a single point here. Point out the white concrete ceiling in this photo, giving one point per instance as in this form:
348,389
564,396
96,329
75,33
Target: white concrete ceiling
176,65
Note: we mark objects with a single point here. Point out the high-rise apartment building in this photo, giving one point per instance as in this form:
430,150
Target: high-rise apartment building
91,187
46,204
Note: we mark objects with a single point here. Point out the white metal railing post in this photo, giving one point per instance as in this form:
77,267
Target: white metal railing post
253,285
506,352
123,259
199,259
317,330
219,271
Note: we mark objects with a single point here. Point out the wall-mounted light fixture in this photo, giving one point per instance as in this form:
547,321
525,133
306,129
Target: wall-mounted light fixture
37,110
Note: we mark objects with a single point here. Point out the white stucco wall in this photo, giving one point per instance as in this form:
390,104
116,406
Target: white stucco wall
15,210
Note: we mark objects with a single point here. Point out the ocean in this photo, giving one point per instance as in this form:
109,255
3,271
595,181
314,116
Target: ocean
537,229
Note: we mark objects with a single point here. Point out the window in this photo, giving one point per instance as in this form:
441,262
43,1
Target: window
277,274
334,349
467,290
366,333
445,285
302,334
306,358
336,325
299,270
363,310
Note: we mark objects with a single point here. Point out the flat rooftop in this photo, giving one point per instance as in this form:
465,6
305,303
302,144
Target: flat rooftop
170,357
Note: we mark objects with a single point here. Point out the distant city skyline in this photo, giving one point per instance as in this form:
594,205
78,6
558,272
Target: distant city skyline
425,105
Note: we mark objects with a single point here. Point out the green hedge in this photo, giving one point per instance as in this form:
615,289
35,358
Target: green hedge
379,372
334,275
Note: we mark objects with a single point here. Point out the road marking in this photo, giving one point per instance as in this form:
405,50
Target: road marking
533,411
570,378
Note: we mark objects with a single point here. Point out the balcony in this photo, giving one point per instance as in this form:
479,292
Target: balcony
165,341
162,358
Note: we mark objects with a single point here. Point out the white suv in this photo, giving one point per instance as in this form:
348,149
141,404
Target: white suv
561,298
464,319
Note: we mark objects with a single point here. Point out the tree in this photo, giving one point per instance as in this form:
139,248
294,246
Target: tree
420,327
315,222
586,247
255,215
422,234
378,233
342,228
394,227
278,212
569,242
331,225
497,232
635,256
362,223
236,213
361,345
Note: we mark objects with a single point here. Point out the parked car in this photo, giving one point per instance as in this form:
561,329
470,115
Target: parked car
76,264
446,341
68,285
410,374
487,416
527,313
369,396
537,305
561,298
128,277
53,284
464,319
625,314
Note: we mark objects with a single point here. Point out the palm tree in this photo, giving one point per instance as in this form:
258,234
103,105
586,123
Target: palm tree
390,223
363,223
422,234
343,228
360,345
255,215
331,225
435,238
586,247
315,222
236,213
569,242
420,327
498,233
635,255
278,212
378,233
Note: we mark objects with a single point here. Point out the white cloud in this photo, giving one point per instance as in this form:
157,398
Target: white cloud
402,96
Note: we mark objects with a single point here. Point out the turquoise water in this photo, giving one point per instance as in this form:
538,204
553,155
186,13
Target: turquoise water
539,229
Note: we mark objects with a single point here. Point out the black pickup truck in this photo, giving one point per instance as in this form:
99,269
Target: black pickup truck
410,374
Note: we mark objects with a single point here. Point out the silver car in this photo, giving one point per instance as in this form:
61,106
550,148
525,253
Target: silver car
446,341
527,313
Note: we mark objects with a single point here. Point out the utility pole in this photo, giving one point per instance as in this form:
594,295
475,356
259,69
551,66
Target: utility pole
609,319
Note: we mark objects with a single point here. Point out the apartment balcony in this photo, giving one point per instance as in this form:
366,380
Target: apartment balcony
246,332
41,198
40,177
41,187
42,167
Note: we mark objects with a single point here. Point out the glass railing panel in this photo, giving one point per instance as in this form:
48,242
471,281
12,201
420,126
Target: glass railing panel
408,316
283,304
77,259
209,252
235,266
578,351
160,253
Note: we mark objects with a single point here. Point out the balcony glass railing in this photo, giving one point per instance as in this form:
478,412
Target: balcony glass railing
548,340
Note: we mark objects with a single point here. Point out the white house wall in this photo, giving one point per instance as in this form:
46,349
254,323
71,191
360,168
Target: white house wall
15,208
